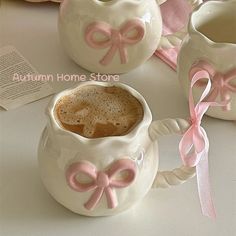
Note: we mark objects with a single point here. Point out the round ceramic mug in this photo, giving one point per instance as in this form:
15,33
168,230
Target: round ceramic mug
121,169
113,36
209,51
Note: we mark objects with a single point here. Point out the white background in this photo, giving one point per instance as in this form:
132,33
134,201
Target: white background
25,206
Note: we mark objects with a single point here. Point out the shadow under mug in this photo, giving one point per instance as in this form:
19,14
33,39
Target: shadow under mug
120,170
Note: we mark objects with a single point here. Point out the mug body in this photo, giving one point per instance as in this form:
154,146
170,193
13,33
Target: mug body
110,36
212,41
59,149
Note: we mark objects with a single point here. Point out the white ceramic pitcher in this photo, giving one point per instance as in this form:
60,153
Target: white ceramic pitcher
113,36
209,51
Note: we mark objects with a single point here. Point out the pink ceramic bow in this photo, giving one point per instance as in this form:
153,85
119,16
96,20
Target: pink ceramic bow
194,146
117,39
103,181
221,83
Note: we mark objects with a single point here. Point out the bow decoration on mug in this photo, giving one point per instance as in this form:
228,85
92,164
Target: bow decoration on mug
221,83
115,39
102,181
194,145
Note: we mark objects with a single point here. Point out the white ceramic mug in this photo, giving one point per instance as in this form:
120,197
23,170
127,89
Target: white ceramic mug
63,156
209,51
113,36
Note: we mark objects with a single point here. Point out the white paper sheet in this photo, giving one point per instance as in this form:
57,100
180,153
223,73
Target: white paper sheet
19,84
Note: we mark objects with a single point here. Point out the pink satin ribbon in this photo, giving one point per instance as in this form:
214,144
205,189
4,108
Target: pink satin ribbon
116,39
194,145
102,181
221,83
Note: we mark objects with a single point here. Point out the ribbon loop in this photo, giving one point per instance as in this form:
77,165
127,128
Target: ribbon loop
116,39
102,181
221,83
194,145
87,169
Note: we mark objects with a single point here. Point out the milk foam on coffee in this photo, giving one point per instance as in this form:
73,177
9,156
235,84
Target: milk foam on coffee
95,111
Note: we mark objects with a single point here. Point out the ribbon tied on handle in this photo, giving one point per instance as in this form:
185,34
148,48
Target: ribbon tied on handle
221,83
194,145
115,39
102,181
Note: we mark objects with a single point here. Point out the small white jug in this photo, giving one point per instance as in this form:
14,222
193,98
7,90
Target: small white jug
209,51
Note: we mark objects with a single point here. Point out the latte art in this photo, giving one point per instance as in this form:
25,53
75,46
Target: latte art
95,111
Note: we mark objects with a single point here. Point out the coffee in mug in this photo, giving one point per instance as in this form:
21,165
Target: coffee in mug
95,111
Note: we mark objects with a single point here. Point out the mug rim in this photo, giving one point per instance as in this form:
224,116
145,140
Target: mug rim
107,3
146,120
193,30
110,3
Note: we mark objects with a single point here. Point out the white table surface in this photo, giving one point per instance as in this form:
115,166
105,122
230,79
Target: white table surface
26,209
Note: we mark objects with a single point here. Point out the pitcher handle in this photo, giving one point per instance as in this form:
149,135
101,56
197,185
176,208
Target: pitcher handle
175,39
165,179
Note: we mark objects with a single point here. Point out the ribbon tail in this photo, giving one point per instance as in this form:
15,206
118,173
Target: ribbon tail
185,146
204,191
111,198
123,54
94,199
109,55
225,98
212,96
